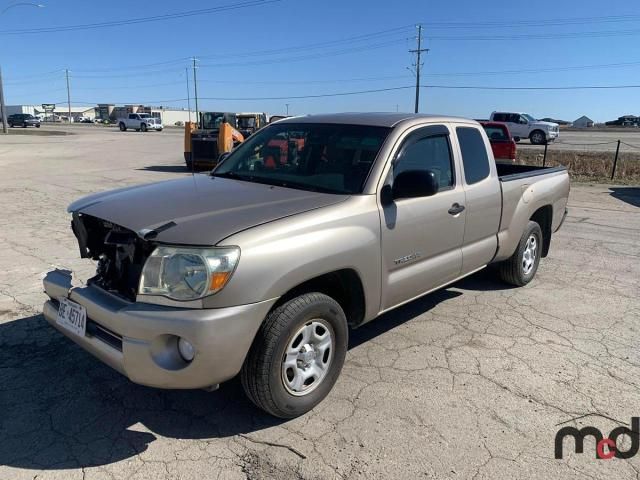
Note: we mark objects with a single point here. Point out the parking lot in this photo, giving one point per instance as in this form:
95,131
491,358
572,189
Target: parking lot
469,382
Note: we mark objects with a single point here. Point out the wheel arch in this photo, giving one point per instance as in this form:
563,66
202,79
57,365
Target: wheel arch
344,286
543,216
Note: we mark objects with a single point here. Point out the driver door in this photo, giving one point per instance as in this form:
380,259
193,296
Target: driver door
422,236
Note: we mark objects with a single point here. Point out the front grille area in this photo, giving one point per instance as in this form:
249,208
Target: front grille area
120,254
107,336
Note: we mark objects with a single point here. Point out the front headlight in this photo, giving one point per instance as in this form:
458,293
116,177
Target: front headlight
187,273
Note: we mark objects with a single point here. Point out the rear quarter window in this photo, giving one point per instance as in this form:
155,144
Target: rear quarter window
474,154
496,133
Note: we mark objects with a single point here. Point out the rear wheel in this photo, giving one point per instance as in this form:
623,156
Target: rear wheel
523,264
143,127
296,356
24,125
123,127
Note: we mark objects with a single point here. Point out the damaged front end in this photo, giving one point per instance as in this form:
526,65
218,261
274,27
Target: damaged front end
120,253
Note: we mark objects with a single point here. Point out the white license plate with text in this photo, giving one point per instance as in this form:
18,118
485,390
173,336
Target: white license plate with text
72,316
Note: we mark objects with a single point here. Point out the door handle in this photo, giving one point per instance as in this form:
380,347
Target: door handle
456,208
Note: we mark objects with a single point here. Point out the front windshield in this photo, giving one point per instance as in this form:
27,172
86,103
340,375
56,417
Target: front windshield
246,122
317,157
212,120
529,117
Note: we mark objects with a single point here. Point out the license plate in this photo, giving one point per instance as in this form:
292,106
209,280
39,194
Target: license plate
72,317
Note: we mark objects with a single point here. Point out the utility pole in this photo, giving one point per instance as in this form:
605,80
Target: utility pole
188,94
3,108
68,96
195,89
418,51
287,109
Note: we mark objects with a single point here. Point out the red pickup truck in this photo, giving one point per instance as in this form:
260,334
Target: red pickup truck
502,143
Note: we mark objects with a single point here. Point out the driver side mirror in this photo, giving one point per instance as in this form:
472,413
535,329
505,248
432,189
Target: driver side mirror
410,184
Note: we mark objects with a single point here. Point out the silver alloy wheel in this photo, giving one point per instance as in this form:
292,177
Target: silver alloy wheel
538,138
307,357
529,254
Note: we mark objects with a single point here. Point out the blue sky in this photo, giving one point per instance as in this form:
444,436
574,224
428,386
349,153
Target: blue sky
253,52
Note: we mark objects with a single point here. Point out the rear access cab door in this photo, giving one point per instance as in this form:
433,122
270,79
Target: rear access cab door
483,197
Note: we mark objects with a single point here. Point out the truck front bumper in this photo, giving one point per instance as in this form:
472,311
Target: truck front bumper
140,340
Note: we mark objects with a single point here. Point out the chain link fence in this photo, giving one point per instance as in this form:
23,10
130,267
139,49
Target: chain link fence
612,161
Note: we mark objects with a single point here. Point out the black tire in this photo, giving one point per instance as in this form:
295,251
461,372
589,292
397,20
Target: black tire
123,127
11,125
513,270
538,137
38,125
262,373
143,127
24,125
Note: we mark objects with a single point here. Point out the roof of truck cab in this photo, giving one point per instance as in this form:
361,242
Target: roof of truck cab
374,119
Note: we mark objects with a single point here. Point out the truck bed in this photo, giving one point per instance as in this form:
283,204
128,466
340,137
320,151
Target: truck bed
510,172
527,191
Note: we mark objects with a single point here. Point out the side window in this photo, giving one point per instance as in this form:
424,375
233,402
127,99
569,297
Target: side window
428,153
474,154
500,117
132,116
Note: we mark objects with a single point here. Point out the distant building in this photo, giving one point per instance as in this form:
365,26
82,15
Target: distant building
61,111
583,122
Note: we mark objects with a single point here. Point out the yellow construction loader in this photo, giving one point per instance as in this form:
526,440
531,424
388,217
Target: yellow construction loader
215,133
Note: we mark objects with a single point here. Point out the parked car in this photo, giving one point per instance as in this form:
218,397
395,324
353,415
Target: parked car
261,267
502,143
523,125
139,122
23,120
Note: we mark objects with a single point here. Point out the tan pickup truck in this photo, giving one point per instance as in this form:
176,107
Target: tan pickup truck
313,226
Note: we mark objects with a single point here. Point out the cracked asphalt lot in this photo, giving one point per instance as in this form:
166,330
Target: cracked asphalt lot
469,382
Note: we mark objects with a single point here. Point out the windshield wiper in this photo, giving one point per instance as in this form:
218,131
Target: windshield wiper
231,175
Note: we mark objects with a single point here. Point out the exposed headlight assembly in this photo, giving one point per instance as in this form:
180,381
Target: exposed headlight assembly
187,273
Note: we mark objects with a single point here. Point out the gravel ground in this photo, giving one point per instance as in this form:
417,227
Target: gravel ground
469,382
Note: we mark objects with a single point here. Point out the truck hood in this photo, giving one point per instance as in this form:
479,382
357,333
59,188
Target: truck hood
547,125
198,210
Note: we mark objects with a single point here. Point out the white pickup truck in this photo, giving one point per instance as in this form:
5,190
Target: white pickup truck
140,122
523,125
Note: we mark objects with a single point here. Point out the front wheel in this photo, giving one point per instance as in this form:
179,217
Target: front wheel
538,137
296,356
123,127
143,127
38,125
523,264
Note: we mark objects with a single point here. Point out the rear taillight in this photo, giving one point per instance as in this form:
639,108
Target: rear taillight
513,150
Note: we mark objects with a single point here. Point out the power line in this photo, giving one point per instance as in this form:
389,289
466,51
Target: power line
313,46
537,23
574,87
134,21
540,36
314,56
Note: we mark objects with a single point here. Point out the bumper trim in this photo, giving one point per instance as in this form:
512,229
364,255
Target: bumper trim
148,355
